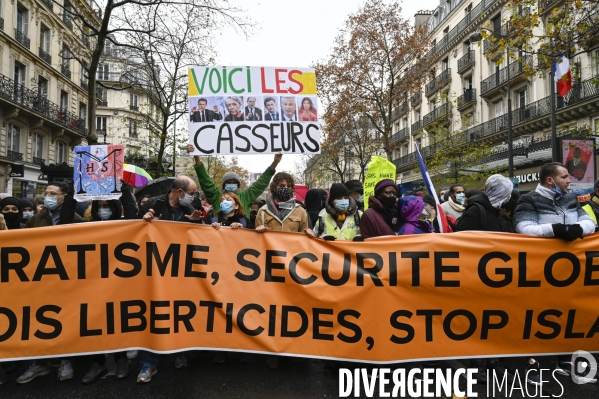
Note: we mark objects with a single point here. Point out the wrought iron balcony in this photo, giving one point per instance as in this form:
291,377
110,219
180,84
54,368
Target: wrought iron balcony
502,31
466,61
436,114
134,107
416,126
21,38
84,85
38,161
416,99
14,155
47,58
438,82
65,69
499,78
402,134
402,109
467,99
49,4
1,23
67,21
99,92
546,5
36,103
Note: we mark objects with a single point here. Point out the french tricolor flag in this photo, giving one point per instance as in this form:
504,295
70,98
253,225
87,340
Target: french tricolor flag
562,74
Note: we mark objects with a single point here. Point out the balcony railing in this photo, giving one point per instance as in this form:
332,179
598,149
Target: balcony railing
1,23
21,38
47,58
402,109
438,82
134,107
502,31
467,99
546,5
14,155
435,115
49,4
36,103
463,25
65,70
99,92
416,126
416,99
500,78
38,161
67,21
402,134
466,61
84,85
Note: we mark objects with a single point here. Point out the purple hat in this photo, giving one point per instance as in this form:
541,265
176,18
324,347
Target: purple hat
380,186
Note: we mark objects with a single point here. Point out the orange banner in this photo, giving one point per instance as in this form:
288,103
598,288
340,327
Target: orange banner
169,286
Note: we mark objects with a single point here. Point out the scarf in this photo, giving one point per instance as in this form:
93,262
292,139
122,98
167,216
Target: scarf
498,189
456,205
280,213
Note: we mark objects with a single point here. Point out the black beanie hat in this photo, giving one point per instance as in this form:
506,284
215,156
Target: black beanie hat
428,199
338,190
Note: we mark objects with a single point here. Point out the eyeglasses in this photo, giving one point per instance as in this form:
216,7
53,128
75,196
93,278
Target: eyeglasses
51,194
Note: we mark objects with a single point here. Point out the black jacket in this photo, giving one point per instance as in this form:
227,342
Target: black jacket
166,211
480,215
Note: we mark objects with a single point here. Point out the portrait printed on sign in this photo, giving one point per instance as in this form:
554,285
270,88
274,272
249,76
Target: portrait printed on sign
253,110
234,106
206,109
578,156
271,109
308,109
288,108
98,171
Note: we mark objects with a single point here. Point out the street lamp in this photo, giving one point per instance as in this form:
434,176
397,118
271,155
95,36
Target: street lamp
526,140
477,37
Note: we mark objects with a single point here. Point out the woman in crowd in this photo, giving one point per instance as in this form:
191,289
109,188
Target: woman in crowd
413,217
142,201
38,205
380,219
12,214
340,218
230,213
307,112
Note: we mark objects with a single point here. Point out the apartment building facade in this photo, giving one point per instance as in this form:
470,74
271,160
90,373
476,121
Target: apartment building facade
43,90
467,91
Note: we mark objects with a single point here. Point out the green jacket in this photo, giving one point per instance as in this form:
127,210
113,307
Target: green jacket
247,197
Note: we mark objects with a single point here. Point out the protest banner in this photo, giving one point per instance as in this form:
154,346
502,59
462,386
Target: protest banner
579,158
98,171
377,169
253,110
128,284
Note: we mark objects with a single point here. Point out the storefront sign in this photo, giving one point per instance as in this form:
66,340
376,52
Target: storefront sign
17,171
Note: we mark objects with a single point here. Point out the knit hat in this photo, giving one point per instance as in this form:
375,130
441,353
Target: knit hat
338,190
231,176
428,199
596,184
26,203
380,186
355,186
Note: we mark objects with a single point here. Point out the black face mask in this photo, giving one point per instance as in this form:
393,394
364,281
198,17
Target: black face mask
11,217
285,194
253,214
388,202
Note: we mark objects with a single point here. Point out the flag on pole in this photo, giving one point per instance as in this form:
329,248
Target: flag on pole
562,75
429,186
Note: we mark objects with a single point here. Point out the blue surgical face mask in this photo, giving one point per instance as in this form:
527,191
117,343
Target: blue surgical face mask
557,190
361,198
460,198
226,207
104,213
342,205
51,203
231,188
27,215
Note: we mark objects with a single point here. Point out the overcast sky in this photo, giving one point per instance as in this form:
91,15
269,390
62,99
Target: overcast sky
291,34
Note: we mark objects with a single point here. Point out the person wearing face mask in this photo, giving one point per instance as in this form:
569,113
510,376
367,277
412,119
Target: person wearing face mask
254,208
454,206
230,213
11,214
315,202
59,208
429,213
550,211
356,191
177,204
340,218
27,209
232,182
281,212
413,218
380,219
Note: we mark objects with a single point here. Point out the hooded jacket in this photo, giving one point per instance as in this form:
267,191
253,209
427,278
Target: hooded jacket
314,200
480,215
410,208
373,223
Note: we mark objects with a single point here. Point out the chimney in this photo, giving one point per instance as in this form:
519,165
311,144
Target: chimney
421,17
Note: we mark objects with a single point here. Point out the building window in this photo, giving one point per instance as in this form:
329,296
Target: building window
405,122
82,111
103,72
132,128
396,127
42,87
19,75
445,63
61,152
104,97
64,100
22,20
45,37
498,108
419,143
14,138
100,123
38,146
133,102
405,150
522,98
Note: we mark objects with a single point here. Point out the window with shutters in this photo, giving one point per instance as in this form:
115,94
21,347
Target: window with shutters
61,152
38,146
14,138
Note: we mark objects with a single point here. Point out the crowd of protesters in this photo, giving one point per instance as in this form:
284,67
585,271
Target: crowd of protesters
337,214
